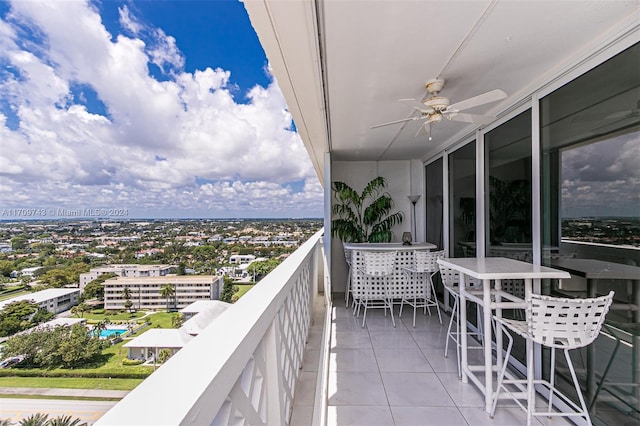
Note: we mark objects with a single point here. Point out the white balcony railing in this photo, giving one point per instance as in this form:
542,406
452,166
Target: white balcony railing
243,368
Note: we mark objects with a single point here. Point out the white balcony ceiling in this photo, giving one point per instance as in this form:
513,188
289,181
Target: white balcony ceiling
342,65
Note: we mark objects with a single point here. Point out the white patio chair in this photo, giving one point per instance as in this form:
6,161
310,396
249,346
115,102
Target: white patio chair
347,291
377,267
451,281
421,291
557,323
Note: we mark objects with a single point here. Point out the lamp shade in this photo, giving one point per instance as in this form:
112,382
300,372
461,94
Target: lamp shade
413,198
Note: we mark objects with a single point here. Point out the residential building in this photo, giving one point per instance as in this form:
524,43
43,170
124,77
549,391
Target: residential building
55,300
125,270
571,73
198,316
146,291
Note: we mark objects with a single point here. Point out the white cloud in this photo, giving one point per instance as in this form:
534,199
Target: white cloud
181,144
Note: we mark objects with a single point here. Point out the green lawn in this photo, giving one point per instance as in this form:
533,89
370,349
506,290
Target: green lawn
9,293
112,364
69,383
125,316
242,289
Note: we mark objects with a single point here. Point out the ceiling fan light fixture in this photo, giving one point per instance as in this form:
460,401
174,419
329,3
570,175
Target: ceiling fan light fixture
436,117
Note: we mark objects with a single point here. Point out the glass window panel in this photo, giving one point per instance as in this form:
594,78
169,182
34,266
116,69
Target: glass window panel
462,198
508,207
590,140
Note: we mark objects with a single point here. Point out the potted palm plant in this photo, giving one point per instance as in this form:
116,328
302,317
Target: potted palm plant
366,216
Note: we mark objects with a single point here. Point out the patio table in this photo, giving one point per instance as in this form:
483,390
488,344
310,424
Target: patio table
487,270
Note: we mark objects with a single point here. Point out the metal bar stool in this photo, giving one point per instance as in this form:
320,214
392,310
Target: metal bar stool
451,281
557,323
377,268
421,292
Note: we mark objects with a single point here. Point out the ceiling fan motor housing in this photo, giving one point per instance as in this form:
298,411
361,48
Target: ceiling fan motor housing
438,103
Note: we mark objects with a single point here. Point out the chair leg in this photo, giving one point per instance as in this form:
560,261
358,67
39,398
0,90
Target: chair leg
415,304
454,311
552,378
348,290
364,316
433,294
502,372
585,412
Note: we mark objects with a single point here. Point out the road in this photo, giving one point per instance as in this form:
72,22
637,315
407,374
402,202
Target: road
88,411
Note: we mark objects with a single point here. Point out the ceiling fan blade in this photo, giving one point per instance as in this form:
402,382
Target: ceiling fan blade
485,98
395,122
471,118
416,104
422,127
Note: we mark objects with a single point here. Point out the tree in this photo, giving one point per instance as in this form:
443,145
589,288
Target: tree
164,355
66,421
228,290
17,316
126,295
37,419
262,267
363,217
80,310
6,267
177,319
56,278
61,346
167,291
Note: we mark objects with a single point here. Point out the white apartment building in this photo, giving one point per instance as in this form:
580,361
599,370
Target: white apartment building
127,270
241,259
55,300
145,291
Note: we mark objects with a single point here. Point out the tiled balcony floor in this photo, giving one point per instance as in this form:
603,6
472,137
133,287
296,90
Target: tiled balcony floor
381,375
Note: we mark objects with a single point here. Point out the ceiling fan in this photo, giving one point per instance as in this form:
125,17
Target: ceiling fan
435,107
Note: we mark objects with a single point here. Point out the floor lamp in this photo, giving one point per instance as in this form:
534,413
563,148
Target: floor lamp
414,199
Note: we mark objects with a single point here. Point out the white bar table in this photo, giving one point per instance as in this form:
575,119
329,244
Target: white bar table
398,282
486,270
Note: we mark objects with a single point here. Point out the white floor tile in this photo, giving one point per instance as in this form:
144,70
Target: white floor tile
415,389
351,339
506,416
359,416
439,363
402,360
463,395
397,339
359,388
352,359
427,416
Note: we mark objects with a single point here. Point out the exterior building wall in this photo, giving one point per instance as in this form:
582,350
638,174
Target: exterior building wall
130,271
145,291
53,300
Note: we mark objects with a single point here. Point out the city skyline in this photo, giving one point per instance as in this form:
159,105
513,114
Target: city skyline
146,109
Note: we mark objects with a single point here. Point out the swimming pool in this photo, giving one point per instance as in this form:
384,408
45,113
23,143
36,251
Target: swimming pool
112,332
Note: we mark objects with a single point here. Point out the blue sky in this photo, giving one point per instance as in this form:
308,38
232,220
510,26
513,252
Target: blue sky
156,108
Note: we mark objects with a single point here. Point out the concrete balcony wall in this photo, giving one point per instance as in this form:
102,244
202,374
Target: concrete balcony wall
244,367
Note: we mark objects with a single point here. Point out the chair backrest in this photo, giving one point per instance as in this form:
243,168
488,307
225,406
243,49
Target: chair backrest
567,323
427,261
347,255
450,277
515,287
379,263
